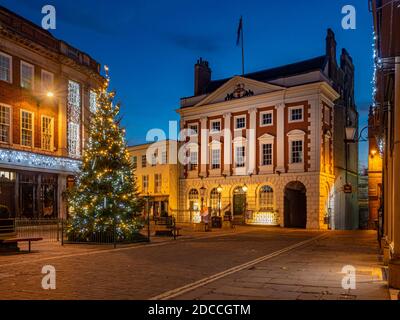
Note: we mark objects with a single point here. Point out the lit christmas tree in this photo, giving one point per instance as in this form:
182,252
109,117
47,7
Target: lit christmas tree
105,199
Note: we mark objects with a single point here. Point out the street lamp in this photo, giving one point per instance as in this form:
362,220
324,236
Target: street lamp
219,190
202,194
245,188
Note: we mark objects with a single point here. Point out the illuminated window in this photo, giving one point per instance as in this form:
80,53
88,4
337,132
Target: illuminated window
145,184
134,162
27,75
26,128
47,133
157,183
47,83
267,154
5,67
74,118
4,124
266,198
144,161
92,101
214,201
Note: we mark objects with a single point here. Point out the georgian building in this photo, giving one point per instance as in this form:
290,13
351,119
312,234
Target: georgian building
261,146
47,94
156,176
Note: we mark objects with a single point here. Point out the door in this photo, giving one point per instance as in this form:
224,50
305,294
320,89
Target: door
239,202
295,205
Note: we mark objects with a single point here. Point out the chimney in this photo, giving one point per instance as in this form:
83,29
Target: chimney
331,45
202,76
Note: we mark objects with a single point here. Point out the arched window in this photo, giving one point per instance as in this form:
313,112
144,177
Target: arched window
214,201
193,194
266,198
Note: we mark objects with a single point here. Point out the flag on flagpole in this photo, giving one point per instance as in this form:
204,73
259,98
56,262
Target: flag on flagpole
239,32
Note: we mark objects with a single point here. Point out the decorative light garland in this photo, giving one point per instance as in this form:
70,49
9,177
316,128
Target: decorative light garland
28,159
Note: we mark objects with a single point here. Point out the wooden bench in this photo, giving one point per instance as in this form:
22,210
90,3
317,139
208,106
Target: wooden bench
16,240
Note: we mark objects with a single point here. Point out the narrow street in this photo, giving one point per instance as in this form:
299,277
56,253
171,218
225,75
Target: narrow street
248,263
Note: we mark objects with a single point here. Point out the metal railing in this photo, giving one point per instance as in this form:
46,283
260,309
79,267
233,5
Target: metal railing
48,229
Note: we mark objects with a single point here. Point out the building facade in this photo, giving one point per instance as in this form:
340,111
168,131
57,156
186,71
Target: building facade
47,94
386,108
157,176
261,147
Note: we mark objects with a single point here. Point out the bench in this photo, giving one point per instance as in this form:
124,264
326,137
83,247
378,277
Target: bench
16,240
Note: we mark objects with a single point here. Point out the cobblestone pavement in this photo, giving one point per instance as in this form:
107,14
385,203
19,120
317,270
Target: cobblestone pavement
147,270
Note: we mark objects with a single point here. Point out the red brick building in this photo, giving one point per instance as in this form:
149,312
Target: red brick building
47,93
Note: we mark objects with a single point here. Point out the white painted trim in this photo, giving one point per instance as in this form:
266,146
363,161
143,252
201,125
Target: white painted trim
52,133
296,135
11,66
33,74
290,114
33,128
238,117
211,125
271,112
9,124
190,124
41,80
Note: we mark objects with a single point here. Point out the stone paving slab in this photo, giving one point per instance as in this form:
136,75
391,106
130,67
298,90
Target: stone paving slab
310,273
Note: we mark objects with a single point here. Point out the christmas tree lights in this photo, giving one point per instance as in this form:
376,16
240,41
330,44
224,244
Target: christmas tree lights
105,198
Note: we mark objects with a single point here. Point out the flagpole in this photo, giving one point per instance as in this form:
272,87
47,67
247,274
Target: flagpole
242,48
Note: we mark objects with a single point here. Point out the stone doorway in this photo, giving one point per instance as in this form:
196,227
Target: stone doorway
295,200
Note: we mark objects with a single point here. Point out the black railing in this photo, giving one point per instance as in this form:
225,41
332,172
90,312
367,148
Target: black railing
48,229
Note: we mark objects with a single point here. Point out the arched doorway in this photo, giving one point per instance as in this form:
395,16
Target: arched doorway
295,205
239,202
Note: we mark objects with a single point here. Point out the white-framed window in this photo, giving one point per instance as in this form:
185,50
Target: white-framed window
164,157
144,161
193,164
157,183
47,81
26,128
154,159
215,158
73,139
145,183
266,198
5,123
27,75
240,122
134,162
296,154
240,156
47,124
92,101
296,145
193,129
267,154
215,126
5,67
266,118
327,115
296,114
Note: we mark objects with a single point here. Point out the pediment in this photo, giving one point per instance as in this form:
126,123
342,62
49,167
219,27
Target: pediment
266,137
238,88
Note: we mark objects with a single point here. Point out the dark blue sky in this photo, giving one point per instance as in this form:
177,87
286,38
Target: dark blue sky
151,46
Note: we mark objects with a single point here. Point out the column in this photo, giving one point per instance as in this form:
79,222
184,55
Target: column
204,146
396,162
251,138
280,131
227,144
